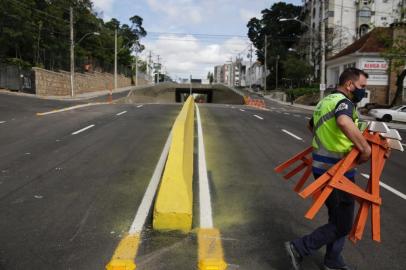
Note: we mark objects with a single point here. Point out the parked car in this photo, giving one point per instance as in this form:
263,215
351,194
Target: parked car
397,113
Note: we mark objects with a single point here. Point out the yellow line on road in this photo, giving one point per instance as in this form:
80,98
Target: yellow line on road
123,258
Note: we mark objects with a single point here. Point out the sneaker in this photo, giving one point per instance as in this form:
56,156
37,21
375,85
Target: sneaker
295,257
345,267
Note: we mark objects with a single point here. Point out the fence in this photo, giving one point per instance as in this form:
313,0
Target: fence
16,78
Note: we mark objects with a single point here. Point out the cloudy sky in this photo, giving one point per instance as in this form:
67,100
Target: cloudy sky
190,36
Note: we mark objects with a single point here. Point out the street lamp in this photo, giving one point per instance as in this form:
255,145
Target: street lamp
72,58
322,49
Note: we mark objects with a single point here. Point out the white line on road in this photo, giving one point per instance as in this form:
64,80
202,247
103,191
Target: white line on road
2,122
296,115
307,117
242,110
206,218
389,188
145,206
139,106
403,144
293,135
83,129
259,117
286,113
123,112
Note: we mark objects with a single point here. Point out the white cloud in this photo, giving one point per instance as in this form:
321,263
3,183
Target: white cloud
104,5
246,14
185,54
180,11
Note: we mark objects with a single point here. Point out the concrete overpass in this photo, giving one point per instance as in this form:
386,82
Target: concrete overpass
173,92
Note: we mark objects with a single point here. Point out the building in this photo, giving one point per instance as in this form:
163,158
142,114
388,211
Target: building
365,53
218,74
255,75
345,21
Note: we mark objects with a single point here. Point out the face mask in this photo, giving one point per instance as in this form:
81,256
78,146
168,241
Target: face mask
358,94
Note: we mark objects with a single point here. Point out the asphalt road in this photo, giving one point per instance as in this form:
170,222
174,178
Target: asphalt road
66,200
256,210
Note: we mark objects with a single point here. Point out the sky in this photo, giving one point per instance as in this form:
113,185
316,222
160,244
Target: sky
190,36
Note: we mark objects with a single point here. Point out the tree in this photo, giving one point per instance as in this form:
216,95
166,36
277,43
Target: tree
280,35
37,33
395,53
296,70
210,77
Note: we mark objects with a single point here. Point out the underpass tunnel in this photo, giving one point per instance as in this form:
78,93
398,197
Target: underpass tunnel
200,95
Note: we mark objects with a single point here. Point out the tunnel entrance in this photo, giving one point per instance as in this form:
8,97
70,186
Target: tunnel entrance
201,95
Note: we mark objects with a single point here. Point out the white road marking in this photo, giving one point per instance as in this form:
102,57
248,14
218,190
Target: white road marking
307,117
206,218
296,115
286,113
242,110
259,117
293,135
83,129
2,122
145,206
123,112
139,106
387,187
403,144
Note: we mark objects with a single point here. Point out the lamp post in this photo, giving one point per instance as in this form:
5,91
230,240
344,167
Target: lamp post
322,50
72,55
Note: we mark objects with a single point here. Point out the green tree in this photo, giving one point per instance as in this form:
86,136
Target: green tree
280,35
395,53
296,70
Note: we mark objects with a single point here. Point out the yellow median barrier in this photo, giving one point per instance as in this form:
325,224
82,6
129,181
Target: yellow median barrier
173,206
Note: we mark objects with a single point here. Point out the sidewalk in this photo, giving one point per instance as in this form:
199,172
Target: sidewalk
306,107
78,97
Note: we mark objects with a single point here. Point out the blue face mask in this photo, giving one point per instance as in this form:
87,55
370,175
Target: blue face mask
358,94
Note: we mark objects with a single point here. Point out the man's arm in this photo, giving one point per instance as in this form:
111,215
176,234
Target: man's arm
347,126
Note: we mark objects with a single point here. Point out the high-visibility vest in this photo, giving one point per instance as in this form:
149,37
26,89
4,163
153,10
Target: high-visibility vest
329,142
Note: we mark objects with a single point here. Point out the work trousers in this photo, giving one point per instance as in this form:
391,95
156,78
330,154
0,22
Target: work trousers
340,207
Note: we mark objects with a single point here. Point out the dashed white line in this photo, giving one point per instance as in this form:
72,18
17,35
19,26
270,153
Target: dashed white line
145,206
259,117
83,129
387,187
403,144
121,113
2,122
293,135
139,106
296,115
307,117
242,110
286,113
206,218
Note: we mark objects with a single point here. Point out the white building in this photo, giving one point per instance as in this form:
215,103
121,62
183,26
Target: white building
365,54
345,22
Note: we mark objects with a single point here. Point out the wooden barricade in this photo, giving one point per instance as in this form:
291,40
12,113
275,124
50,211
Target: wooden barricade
334,178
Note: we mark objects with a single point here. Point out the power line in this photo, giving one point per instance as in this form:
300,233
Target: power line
37,10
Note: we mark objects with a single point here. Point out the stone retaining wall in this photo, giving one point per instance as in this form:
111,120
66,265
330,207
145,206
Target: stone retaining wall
50,83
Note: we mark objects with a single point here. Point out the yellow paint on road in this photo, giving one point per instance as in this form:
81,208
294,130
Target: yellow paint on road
124,256
174,203
211,256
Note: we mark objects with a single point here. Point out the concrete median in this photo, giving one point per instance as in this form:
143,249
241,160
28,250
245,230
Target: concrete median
174,203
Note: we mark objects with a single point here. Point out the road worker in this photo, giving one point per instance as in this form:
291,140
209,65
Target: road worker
335,132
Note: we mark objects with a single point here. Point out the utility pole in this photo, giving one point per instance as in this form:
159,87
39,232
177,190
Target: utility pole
249,70
149,64
158,68
115,59
190,92
72,54
136,69
266,45
323,54
276,75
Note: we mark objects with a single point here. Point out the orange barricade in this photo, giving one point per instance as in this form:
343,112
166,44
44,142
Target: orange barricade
254,102
334,178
